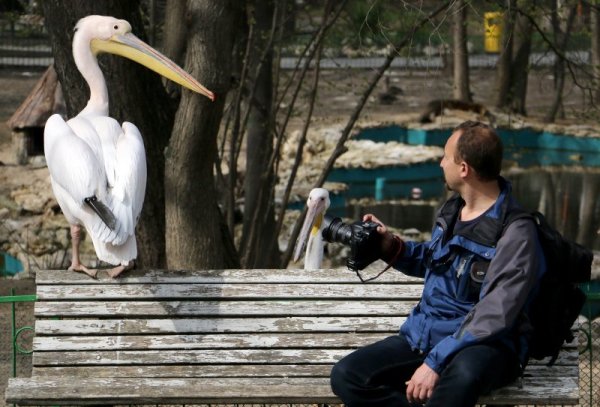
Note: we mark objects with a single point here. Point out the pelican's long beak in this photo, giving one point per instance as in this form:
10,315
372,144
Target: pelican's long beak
130,46
312,223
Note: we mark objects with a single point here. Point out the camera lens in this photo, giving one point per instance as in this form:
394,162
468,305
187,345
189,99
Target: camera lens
335,230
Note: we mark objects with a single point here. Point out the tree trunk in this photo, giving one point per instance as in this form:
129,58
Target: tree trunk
197,236
561,39
461,54
595,51
136,95
520,65
503,78
259,213
174,39
589,196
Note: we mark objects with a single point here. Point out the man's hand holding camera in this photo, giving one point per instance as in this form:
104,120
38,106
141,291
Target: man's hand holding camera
391,245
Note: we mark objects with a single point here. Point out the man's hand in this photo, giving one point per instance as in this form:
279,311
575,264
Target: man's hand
371,218
390,246
420,386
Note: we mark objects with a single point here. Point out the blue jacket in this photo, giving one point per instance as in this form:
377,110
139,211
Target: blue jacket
477,282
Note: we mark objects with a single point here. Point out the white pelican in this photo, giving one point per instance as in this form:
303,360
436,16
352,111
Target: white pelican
317,203
98,167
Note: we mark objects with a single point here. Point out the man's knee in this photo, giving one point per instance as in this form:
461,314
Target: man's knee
463,374
339,377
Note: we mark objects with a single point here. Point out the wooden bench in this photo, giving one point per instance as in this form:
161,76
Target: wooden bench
228,336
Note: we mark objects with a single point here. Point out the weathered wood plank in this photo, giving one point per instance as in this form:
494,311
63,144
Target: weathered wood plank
168,391
189,371
242,370
115,309
257,276
182,326
210,341
228,292
539,391
202,356
211,356
85,391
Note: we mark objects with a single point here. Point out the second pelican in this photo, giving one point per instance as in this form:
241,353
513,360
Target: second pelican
317,203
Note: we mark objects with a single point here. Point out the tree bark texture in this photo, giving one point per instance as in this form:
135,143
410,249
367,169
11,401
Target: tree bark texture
520,64
461,55
595,51
503,79
136,95
561,38
196,235
174,38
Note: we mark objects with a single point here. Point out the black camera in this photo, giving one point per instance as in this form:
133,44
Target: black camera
362,237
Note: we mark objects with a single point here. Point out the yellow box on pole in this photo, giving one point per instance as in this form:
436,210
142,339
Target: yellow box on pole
492,24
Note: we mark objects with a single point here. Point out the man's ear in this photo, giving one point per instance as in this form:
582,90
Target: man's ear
464,170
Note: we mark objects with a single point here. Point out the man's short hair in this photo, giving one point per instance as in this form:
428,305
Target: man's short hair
481,148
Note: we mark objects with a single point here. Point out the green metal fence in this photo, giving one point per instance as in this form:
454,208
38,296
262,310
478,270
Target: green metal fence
12,340
589,340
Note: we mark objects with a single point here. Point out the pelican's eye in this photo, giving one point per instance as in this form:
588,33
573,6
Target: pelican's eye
116,27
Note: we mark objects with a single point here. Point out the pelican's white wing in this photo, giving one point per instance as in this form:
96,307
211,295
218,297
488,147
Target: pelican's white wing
132,173
130,177
77,173
127,190
108,132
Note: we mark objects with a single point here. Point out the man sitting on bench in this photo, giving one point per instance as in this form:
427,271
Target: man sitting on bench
466,336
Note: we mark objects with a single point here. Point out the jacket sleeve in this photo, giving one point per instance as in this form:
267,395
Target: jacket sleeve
414,255
511,276
412,260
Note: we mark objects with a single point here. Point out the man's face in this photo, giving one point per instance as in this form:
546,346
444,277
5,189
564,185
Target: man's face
449,166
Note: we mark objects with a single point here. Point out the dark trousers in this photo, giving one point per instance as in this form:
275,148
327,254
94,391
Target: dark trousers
376,374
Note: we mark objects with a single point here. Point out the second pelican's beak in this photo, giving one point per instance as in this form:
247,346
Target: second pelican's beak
131,47
312,223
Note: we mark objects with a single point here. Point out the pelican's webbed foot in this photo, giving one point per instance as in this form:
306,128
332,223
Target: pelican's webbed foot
116,272
80,268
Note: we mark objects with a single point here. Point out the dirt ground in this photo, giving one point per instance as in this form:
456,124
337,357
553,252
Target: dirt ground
338,90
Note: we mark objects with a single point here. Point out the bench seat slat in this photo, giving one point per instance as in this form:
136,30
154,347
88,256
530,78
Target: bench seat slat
157,326
264,370
283,370
115,309
211,356
211,341
232,390
204,356
227,292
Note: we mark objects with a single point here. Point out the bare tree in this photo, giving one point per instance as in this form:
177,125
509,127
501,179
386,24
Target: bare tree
256,237
461,89
142,101
561,38
503,70
595,49
513,67
255,243
520,64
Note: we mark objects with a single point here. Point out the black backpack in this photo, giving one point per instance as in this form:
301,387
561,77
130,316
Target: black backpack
559,301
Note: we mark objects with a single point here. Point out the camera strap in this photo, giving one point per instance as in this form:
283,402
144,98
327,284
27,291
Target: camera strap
390,263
